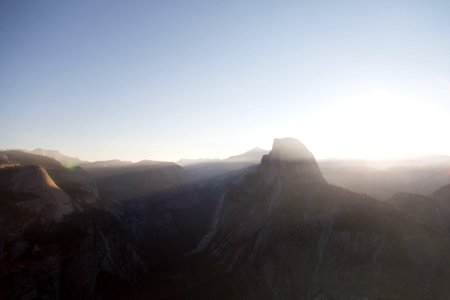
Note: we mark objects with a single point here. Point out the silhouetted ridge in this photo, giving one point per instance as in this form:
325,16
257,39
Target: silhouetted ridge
289,149
443,192
290,158
252,155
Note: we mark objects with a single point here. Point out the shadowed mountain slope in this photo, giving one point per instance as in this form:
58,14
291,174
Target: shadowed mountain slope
120,181
284,233
433,209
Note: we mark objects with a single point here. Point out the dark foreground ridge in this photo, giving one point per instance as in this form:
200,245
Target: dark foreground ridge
275,230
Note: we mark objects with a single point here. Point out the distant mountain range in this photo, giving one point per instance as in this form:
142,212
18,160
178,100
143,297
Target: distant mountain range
63,159
379,179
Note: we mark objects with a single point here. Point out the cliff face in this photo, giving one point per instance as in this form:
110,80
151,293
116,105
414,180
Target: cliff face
284,233
55,241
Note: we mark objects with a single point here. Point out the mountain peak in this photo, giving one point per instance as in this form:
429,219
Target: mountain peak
290,157
290,149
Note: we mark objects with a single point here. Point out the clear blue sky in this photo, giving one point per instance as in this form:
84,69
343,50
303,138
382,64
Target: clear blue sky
171,79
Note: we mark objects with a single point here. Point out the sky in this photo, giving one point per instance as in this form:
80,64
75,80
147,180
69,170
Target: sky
169,79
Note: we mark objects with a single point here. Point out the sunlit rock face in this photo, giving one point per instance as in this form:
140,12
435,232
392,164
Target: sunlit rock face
46,199
282,232
32,191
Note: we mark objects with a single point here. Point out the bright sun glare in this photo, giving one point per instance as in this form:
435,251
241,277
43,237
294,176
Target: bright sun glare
378,125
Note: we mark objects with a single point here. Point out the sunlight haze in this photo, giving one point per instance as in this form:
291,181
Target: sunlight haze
165,80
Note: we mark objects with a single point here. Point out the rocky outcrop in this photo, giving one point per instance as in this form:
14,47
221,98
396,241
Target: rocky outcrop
75,182
290,160
32,190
